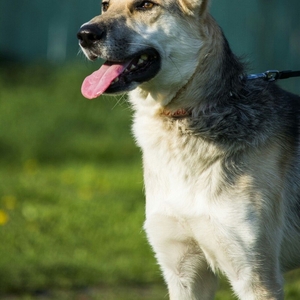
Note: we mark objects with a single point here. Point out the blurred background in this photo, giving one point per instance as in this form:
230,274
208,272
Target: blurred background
71,191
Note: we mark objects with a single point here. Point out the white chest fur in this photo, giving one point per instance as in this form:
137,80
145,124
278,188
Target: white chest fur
182,172
186,197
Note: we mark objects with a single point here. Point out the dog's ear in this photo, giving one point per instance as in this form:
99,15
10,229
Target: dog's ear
192,7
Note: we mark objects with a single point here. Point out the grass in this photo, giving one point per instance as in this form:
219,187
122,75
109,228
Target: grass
71,194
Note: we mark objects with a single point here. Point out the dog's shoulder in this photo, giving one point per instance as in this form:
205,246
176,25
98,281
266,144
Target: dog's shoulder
250,115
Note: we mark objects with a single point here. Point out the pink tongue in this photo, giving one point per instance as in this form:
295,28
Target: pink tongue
97,83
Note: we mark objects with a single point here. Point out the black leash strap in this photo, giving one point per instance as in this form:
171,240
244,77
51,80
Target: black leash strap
273,75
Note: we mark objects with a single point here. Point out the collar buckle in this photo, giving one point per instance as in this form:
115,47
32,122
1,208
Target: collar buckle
272,75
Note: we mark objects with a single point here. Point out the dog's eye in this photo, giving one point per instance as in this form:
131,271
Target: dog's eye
145,5
105,6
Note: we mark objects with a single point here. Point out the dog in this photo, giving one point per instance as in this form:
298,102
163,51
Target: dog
221,153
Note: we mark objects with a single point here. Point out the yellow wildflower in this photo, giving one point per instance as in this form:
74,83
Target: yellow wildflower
3,217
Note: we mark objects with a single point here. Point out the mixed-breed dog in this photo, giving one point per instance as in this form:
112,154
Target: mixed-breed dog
221,151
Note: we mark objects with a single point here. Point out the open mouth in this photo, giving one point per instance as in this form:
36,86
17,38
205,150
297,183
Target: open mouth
117,77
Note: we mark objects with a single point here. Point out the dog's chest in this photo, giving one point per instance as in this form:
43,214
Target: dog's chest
182,173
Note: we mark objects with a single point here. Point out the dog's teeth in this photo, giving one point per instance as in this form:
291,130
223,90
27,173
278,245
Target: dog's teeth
144,57
116,80
133,67
141,61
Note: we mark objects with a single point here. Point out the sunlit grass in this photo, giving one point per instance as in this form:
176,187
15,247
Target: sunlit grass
71,194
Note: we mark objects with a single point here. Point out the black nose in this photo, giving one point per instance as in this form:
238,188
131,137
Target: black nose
89,34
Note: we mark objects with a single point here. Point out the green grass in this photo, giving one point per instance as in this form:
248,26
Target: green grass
71,194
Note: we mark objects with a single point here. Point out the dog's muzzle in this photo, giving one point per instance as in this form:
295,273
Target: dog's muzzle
123,70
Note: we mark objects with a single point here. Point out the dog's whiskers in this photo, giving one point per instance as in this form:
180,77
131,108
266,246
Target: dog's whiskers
119,99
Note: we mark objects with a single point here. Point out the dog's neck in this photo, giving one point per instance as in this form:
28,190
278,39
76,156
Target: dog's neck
216,77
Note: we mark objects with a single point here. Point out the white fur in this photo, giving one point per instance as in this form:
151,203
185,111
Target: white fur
194,228
195,222
202,218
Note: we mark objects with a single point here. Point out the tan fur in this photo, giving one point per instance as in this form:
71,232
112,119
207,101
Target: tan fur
220,154
192,7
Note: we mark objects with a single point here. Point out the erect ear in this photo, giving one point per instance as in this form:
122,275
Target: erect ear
192,7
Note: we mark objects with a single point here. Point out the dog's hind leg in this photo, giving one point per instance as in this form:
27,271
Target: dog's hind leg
184,267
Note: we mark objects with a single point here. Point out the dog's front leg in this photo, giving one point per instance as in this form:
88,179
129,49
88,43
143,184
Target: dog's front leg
246,249
260,280
183,263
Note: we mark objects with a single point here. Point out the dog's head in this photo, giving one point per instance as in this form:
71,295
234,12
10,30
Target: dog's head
152,44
